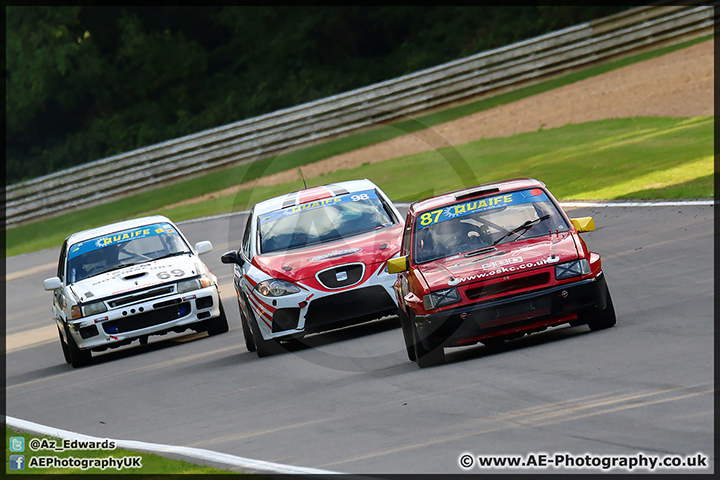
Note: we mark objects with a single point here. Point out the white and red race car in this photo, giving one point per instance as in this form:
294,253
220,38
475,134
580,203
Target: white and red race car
315,260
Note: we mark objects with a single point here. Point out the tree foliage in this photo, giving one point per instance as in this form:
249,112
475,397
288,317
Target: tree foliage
88,82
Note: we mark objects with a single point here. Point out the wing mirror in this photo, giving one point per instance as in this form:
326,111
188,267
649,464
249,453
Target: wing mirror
53,283
203,247
397,265
232,257
583,224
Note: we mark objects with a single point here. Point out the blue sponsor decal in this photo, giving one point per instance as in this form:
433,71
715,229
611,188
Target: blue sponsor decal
480,205
121,237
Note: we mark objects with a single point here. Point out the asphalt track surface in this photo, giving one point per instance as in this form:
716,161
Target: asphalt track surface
354,403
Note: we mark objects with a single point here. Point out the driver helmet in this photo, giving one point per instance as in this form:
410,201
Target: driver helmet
447,233
94,260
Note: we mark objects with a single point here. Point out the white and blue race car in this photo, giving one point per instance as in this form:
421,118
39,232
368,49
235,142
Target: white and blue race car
129,280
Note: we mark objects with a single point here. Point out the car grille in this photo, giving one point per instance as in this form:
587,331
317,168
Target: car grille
487,290
523,309
147,319
354,306
137,297
342,276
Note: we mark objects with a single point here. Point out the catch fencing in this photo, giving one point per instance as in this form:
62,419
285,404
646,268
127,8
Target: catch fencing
502,69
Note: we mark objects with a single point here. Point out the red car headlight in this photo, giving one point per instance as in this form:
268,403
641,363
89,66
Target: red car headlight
441,298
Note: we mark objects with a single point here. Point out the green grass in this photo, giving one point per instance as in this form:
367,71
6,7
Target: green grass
570,184
635,158
151,463
610,159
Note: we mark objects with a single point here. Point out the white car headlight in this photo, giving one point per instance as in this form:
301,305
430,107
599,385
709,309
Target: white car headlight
276,288
193,284
441,298
88,309
575,268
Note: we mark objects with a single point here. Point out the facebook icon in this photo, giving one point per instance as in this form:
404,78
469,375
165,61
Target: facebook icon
17,462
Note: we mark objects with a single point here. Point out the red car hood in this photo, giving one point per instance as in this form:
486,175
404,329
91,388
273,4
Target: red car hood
296,265
507,259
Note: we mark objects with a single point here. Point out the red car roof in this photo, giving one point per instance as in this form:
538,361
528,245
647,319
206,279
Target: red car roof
450,197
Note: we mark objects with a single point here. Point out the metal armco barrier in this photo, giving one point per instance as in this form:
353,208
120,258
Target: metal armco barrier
509,67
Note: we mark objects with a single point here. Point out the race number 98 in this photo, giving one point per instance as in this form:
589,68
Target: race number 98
357,198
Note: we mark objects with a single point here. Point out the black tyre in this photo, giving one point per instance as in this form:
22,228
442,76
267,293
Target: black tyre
78,358
219,324
263,348
426,358
66,351
602,319
247,333
407,334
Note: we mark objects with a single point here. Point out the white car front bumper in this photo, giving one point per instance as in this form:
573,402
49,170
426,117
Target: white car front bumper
152,317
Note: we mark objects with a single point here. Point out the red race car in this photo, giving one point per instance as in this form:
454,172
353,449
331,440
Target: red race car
491,263
315,260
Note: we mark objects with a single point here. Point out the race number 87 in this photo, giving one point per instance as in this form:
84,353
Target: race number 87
427,217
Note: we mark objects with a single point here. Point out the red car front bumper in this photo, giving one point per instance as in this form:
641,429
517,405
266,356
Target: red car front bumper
513,315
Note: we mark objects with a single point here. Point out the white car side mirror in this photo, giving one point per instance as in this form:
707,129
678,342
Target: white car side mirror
203,247
53,283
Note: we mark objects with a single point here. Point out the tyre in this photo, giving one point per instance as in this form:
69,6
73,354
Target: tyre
263,348
426,358
66,351
247,333
78,358
602,319
219,324
407,334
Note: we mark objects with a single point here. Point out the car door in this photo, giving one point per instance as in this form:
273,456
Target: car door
59,299
401,284
245,253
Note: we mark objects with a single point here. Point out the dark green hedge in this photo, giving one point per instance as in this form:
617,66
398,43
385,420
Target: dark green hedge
87,82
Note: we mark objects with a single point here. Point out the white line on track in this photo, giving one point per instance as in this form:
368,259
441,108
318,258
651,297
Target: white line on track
678,203
196,453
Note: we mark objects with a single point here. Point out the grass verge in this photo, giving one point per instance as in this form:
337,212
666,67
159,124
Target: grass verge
634,158
149,463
